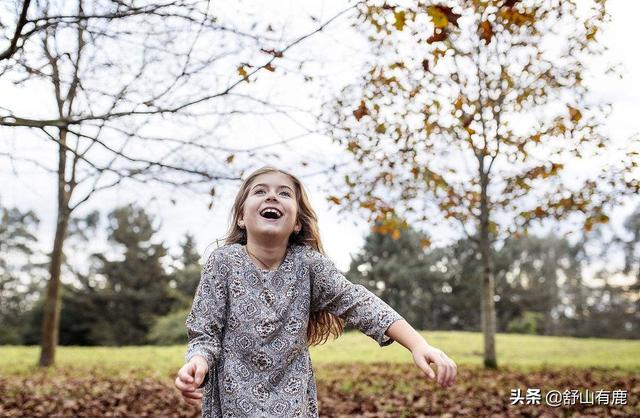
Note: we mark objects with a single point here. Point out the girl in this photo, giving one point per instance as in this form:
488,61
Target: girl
266,296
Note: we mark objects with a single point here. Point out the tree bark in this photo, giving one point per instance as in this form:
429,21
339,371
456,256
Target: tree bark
51,314
488,286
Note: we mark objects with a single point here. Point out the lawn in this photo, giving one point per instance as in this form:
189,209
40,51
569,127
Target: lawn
521,352
355,377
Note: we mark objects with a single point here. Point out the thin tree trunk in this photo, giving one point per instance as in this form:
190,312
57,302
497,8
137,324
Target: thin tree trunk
488,287
51,314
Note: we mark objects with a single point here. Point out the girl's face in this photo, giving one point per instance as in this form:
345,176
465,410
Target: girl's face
276,191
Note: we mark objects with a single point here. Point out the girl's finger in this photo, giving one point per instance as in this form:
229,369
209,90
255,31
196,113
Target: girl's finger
424,365
192,395
443,373
182,386
185,373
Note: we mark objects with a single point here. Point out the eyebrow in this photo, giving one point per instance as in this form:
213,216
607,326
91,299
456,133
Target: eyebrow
279,187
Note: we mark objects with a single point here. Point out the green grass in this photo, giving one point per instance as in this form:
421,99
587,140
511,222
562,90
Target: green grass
465,348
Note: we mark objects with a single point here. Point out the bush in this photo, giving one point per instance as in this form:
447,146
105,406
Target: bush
528,323
169,329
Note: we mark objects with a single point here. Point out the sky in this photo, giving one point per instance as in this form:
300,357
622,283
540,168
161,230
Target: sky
342,234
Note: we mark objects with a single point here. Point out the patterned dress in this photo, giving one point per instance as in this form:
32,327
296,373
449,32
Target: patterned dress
251,326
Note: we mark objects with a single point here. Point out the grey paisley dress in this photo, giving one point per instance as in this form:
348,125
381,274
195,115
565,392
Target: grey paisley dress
251,326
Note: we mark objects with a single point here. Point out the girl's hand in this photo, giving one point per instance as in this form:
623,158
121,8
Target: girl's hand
190,377
424,354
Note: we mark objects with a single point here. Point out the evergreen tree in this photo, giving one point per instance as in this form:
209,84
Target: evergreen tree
136,287
19,272
187,276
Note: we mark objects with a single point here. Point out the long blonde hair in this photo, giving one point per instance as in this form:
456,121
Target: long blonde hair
321,324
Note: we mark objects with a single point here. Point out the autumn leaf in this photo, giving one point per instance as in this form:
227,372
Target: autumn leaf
243,73
381,128
442,15
400,20
486,31
269,67
459,102
230,158
437,36
425,65
334,199
361,111
277,54
574,114
438,17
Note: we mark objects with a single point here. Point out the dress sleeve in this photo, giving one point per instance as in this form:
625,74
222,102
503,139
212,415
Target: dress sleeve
205,322
331,291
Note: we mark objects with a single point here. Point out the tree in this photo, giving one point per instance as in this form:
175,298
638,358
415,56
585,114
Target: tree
19,271
533,277
430,287
187,276
487,81
136,287
122,76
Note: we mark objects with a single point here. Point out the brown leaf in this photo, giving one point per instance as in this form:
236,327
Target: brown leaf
361,111
486,31
334,199
277,54
438,36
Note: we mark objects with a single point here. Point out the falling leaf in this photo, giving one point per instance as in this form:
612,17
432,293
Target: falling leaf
334,200
425,65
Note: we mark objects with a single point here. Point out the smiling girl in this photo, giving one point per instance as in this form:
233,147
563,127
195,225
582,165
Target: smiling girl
269,294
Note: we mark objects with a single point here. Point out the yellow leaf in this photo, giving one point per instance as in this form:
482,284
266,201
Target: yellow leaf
437,16
425,242
334,200
458,103
400,20
381,128
243,73
574,114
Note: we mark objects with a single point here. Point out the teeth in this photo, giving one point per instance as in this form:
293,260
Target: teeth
271,210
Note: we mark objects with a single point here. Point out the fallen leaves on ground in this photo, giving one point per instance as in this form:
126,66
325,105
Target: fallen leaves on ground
356,390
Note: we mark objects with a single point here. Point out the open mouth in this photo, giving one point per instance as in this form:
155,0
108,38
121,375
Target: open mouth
271,213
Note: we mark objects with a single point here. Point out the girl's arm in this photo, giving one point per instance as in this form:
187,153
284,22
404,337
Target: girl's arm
423,353
331,291
206,320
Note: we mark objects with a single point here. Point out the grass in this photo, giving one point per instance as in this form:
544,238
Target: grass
465,348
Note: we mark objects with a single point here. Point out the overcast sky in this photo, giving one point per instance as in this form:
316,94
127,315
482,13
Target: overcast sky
342,235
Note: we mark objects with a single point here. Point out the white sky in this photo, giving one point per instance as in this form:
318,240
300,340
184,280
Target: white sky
343,235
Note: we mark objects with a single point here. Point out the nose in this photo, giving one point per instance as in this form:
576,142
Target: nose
271,196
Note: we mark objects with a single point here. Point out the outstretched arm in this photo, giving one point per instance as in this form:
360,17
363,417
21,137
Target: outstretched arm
423,353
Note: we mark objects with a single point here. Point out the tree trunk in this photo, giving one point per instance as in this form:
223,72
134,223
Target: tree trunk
51,314
488,286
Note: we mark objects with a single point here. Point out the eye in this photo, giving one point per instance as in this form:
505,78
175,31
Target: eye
286,193
258,191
